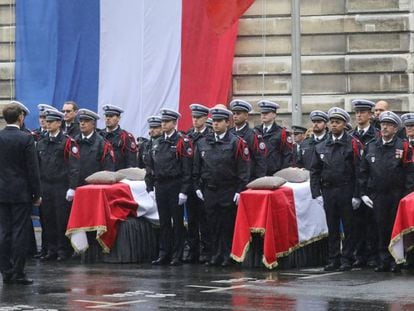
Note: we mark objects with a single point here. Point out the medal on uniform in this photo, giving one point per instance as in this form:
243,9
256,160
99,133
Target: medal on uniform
74,150
262,146
398,153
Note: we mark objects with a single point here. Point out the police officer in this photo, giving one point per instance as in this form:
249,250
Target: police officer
334,169
364,223
41,131
19,191
278,144
299,133
144,147
123,142
319,134
170,164
387,174
59,173
96,154
70,126
197,227
255,142
220,173
408,121
209,123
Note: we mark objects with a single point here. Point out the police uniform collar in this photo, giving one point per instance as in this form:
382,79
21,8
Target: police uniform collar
220,136
54,136
241,128
117,129
388,142
10,126
166,137
320,137
87,137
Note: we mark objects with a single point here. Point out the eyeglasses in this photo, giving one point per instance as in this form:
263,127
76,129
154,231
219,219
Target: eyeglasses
67,111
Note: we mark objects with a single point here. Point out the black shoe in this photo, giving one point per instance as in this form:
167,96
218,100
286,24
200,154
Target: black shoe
381,268
7,277
161,261
345,267
191,258
175,262
372,263
358,264
331,267
395,268
49,257
22,280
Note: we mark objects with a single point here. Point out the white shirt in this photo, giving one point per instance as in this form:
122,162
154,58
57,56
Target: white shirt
87,137
201,132
365,129
220,136
51,135
13,125
168,136
319,138
243,126
109,131
337,138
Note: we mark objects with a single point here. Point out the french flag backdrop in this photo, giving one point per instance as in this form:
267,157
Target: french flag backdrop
141,55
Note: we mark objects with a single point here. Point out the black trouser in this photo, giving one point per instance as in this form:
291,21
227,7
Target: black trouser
197,226
15,227
338,208
56,211
365,234
385,211
221,216
171,219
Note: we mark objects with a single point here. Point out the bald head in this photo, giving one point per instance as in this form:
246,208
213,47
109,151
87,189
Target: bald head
381,106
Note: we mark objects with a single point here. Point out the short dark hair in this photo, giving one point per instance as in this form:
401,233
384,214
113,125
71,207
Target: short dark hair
71,102
11,113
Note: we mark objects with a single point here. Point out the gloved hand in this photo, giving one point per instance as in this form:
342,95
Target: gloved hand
182,198
368,202
356,203
236,198
152,194
319,199
200,195
70,194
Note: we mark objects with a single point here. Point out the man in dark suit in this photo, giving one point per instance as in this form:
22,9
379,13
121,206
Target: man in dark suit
19,190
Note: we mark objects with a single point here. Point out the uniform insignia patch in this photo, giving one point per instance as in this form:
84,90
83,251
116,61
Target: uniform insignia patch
189,150
373,159
203,154
399,153
74,150
246,151
262,146
321,156
303,151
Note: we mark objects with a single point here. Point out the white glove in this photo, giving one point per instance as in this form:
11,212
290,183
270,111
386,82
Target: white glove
200,195
368,202
319,199
356,203
236,198
152,194
70,194
182,198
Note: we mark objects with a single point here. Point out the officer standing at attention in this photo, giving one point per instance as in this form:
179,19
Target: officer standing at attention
408,120
320,133
70,126
299,133
144,148
255,142
334,170
278,144
59,173
197,219
19,191
170,164
123,142
387,174
364,222
96,154
41,131
220,173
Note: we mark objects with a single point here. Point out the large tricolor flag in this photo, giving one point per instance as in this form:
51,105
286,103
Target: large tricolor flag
138,54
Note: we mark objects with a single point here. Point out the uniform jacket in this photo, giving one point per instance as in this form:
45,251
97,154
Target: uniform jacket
95,155
278,148
59,160
222,163
124,146
257,149
306,151
73,130
387,168
170,159
335,164
19,169
370,134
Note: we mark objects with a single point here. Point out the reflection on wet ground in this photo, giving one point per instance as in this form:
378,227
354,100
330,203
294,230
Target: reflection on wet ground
142,287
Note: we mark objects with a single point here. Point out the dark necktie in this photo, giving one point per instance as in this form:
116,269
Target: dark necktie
361,133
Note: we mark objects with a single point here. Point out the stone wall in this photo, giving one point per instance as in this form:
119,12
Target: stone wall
350,49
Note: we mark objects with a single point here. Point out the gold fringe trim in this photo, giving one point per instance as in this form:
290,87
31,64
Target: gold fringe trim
100,230
395,240
274,264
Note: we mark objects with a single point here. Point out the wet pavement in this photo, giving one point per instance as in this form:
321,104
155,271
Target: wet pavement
72,286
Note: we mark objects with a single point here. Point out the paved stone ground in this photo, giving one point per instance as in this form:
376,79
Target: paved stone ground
72,286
